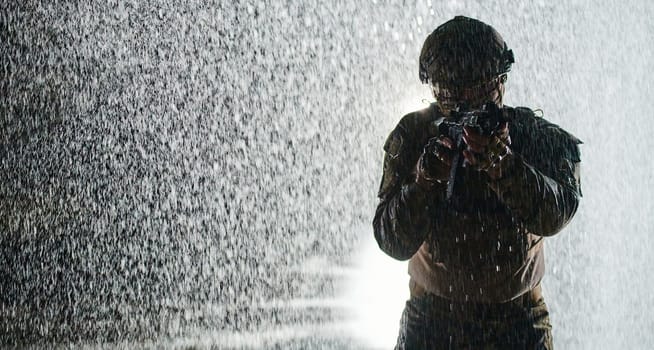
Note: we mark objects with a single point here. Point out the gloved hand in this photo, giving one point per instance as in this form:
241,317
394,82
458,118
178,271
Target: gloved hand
434,164
486,153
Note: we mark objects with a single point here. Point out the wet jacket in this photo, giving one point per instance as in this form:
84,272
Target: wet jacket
486,243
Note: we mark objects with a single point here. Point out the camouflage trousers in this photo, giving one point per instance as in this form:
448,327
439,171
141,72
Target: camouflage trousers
431,322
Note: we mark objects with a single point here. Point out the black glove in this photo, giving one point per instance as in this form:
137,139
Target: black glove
435,162
486,153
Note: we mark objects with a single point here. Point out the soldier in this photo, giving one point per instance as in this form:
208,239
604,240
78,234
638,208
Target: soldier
474,236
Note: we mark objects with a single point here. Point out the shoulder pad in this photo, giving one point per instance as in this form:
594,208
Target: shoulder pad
567,143
394,143
403,148
547,135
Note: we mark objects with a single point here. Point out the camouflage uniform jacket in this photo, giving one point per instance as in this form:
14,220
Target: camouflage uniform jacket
487,245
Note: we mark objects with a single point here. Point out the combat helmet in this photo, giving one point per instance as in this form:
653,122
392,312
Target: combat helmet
464,52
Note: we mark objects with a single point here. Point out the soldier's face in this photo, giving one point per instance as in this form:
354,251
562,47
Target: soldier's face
469,98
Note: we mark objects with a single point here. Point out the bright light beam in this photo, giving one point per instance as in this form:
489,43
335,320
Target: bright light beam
379,287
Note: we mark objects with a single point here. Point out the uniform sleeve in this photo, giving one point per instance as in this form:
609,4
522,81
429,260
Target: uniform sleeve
401,222
541,186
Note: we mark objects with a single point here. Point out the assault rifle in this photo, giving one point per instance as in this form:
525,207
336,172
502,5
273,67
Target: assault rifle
484,121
